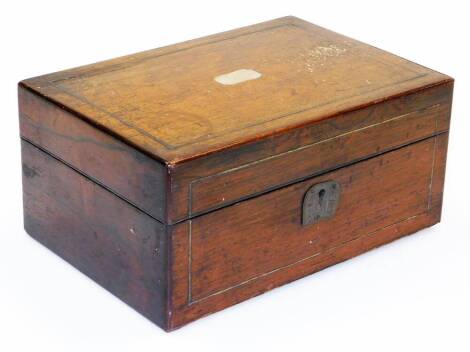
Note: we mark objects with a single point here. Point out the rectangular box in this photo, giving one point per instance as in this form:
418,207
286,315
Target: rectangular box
188,178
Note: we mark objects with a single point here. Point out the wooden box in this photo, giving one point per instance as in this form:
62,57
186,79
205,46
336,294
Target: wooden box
188,178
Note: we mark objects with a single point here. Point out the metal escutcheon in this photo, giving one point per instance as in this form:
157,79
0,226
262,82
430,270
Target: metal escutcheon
320,202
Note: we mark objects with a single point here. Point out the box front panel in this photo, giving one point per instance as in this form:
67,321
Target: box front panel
234,253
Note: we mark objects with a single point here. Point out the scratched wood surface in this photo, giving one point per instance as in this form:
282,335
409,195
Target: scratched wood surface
115,244
106,119
174,274
129,173
182,195
167,103
374,194
244,250
172,194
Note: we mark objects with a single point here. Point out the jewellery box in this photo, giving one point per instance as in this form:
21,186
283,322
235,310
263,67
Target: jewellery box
189,178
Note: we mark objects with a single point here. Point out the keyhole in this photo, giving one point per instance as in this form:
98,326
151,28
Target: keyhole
321,196
320,202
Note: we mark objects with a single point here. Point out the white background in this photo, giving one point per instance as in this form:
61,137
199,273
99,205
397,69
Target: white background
411,295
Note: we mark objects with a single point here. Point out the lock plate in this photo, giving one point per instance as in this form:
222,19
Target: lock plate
320,202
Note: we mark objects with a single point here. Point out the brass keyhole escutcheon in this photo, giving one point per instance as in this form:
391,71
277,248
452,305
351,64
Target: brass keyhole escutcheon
320,202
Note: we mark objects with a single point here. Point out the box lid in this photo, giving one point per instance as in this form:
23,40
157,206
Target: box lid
195,98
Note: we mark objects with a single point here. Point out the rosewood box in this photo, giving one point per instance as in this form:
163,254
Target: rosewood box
188,178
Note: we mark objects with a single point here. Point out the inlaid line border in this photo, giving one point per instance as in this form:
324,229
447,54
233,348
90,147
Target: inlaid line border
191,301
56,85
272,157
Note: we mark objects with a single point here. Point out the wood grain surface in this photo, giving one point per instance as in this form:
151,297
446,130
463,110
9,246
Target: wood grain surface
174,274
283,121
106,160
238,252
207,183
239,243
167,103
118,246
182,194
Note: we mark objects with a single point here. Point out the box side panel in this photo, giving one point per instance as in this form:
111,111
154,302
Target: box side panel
112,242
218,180
127,172
241,251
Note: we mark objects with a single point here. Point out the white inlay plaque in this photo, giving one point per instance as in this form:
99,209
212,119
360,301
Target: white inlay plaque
237,76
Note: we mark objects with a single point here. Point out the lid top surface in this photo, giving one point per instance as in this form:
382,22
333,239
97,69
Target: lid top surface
197,97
